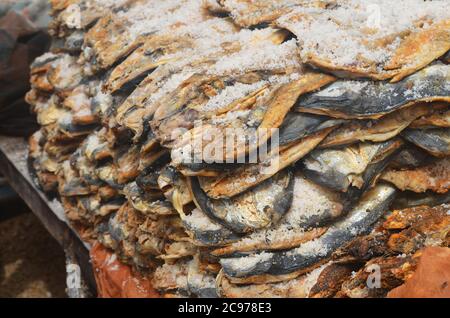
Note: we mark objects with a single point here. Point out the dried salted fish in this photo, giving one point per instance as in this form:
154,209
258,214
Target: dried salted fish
409,199
439,119
434,177
435,141
331,112
296,288
260,207
368,99
363,248
358,221
69,184
144,100
228,185
395,271
347,40
147,202
385,128
207,232
175,189
79,15
422,228
251,13
171,277
330,280
313,207
352,167
116,35
96,148
200,283
409,157
297,126
255,123
168,48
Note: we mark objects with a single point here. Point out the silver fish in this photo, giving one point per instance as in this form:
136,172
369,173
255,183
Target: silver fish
368,99
254,209
435,141
359,221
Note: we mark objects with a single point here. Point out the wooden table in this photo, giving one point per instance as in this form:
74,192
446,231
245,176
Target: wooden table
14,167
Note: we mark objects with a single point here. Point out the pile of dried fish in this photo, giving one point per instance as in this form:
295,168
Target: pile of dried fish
244,148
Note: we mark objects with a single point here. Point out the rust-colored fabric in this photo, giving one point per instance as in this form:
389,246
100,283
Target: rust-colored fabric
431,279
117,280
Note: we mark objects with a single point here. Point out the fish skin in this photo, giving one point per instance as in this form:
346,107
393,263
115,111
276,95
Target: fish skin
219,210
435,141
374,99
358,221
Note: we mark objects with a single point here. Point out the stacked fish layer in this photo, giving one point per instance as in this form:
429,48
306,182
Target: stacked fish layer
250,148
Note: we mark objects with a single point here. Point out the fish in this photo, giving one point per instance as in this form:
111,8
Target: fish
418,230
178,250
299,287
373,54
368,99
343,168
299,125
382,129
108,174
205,231
173,49
143,60
312,210
69,184
127,164
256,116
273,265
227,185
363,248
330,280
200,283
254,209
405,218
116,35
409,157
434,176
395,271
435,141
439,119
172,277
96,148
408,199
175,188
147,202
65,74
253,13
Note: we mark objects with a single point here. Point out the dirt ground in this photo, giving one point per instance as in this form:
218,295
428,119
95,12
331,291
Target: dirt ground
32,264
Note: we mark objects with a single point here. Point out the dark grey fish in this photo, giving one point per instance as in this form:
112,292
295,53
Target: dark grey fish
200,283
259,207
297,126
435,141
408,199
409,157
344,168
206,232
370,99
446,57
359,221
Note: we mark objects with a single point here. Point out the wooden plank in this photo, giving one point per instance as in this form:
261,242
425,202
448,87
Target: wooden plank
13,166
